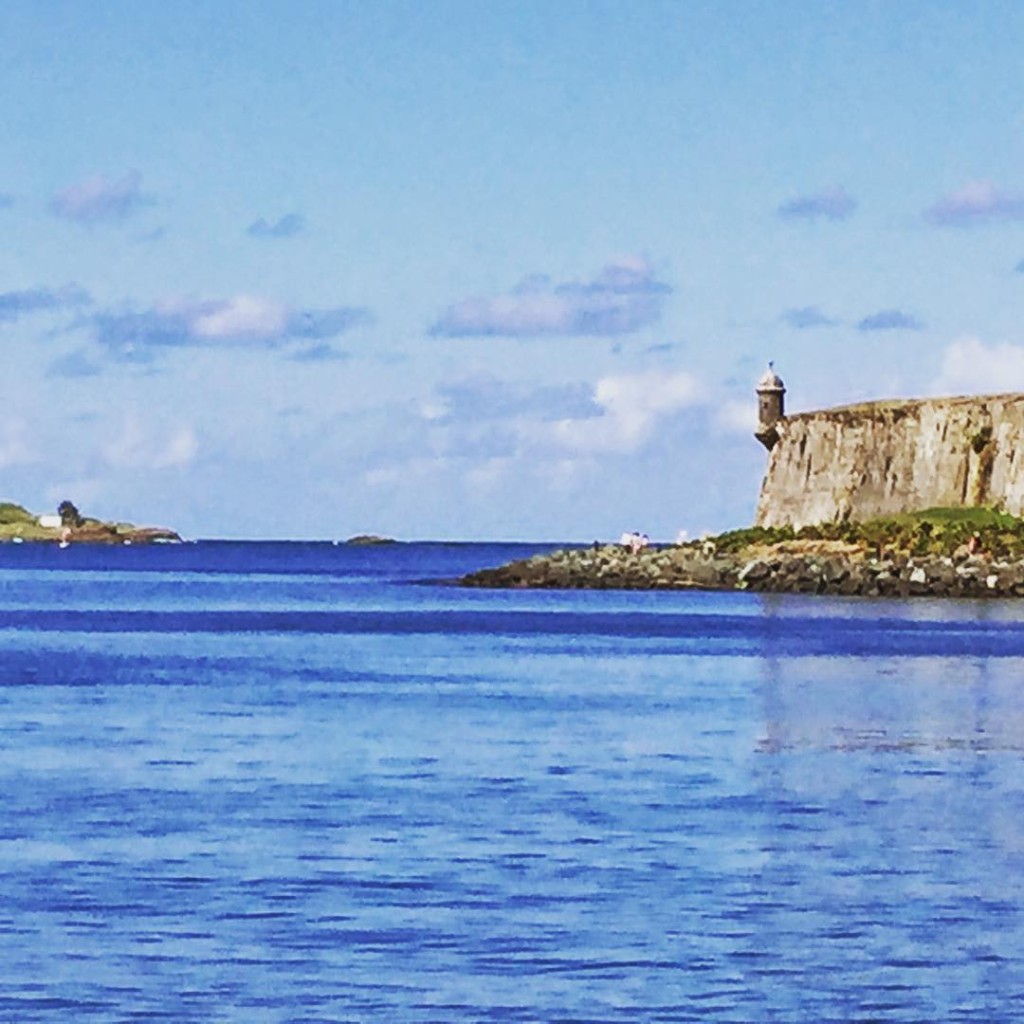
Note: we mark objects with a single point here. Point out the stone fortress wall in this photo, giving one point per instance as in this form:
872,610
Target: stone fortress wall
881,458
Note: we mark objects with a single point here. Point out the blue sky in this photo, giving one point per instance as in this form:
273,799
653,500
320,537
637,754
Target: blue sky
463,270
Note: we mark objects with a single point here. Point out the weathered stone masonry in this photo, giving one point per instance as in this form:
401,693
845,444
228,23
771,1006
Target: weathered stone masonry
881,458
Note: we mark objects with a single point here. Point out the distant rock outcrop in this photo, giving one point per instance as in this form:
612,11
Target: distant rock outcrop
857,462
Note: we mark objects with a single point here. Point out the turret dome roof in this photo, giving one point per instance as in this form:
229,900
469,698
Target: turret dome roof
770,380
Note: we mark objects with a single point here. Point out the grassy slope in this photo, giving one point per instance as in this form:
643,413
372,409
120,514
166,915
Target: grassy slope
16,521
933,531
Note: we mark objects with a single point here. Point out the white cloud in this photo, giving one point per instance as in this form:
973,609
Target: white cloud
831,204
82,491
489,472
432,410
243,316
383,476
969,366
139,445
631,406
100,199
623,297
14,305
249,320
180,450
285,227
976,202
736,416
14,443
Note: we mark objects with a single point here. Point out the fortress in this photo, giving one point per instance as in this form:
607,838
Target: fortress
855,462
847,464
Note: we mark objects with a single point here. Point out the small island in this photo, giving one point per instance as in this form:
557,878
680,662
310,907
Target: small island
69,526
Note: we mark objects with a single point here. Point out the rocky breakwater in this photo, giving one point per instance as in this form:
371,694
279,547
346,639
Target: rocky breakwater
614,567
797,566
819,568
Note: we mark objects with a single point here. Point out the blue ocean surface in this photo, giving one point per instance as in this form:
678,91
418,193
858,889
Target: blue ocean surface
274,782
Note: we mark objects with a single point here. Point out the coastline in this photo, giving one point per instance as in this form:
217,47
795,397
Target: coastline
797,566
18,526
95,534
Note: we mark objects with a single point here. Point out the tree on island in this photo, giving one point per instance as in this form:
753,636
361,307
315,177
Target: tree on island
69,515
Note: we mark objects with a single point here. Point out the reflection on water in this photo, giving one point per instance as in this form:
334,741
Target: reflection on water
898,795
304,795
893,705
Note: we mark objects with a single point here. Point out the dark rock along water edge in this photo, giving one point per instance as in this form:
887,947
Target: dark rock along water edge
806,567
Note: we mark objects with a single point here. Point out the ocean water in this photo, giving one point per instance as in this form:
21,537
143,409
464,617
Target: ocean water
311,783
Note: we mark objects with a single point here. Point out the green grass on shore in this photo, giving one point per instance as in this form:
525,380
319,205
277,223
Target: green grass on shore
933,531
16,521
11,514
